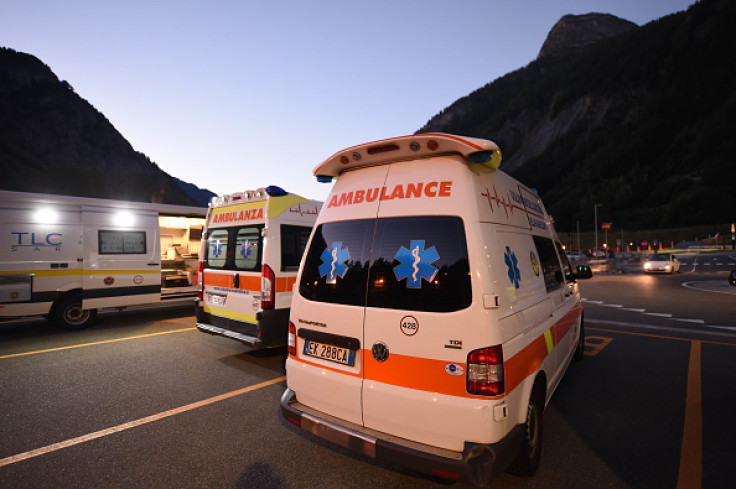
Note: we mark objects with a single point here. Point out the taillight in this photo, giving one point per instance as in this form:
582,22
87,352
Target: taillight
268,281
199,280
485,371
292,339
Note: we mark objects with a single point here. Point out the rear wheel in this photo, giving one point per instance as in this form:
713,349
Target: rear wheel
527,461
68,313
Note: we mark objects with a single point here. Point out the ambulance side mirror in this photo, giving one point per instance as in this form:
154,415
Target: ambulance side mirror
584,271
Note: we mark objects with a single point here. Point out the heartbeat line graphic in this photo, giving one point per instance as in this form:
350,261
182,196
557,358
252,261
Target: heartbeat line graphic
500,202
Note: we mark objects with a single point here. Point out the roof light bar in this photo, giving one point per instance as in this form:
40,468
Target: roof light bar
409,147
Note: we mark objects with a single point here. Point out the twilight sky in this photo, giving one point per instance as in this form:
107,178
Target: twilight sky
234,95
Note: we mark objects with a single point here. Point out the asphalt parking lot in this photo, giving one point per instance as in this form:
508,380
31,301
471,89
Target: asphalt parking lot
145,400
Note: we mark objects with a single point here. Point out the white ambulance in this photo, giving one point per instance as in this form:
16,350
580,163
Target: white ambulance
253,244
435,312
66,257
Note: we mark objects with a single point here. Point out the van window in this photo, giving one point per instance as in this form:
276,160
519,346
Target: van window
235,248
336,265
551,270
293,243
121,242
566,267
417,263
247,249
217,248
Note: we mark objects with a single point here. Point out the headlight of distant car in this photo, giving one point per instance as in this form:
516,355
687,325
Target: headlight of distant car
647,266
668,268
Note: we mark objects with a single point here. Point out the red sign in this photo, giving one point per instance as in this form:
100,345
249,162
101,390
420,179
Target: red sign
606,226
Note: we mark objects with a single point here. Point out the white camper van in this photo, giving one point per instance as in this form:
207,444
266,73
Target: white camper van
254,241
66,257
435,312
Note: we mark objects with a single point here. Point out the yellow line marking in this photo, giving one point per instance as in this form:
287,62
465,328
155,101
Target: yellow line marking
82,345
590,342
690,474
132,424
691,455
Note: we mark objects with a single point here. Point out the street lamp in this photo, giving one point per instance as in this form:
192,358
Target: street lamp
595,213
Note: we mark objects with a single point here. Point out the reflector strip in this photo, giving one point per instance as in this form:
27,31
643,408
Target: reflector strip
231,315
549,341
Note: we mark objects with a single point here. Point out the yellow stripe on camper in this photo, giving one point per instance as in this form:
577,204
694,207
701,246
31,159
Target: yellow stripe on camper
68,272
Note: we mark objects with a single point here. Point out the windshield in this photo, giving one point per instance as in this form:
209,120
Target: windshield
659,257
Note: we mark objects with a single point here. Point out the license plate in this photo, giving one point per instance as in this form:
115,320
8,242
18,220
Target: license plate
216,299
337,354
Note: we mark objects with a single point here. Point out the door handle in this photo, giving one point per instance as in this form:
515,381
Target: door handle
153,264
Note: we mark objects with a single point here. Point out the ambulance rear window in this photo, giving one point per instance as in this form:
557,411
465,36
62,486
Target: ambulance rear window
417,263
235,248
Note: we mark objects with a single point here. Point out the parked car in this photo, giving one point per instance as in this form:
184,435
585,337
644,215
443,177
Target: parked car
600,254
662,262
576,255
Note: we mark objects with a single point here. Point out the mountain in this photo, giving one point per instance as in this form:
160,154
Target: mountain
53,141
640,121
577,31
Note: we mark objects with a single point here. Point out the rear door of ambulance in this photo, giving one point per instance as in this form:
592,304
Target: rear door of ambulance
394,286
233,260
418,319
329,310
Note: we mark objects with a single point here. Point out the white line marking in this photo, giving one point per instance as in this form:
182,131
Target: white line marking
132,424
691,285
671,329
95,343
633,309
612,305
659,314
696,321
730,328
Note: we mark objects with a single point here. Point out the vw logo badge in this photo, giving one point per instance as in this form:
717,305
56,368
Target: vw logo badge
380,351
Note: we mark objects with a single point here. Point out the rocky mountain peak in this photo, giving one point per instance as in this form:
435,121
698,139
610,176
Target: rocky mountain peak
576,31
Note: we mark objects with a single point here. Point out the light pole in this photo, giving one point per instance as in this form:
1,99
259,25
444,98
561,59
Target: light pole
595,213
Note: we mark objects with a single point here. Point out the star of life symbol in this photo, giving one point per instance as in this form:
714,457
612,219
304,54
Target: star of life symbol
333,262
245,248
416,264
217,249
514,274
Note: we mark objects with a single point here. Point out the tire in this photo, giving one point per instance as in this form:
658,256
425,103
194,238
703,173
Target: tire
69,314
580,350
527,461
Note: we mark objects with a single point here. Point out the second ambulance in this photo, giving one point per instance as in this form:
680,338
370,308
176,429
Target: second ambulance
250,256
435,312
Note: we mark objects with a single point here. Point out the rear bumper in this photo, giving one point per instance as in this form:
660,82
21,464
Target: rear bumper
272,327
477,463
